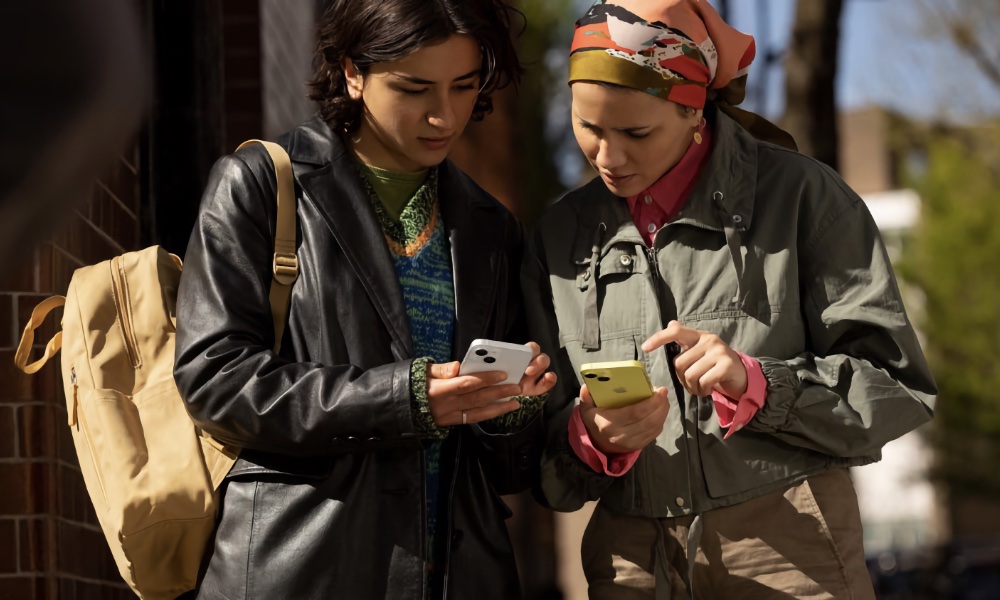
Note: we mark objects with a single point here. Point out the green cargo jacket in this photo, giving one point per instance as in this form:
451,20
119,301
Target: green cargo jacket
775,254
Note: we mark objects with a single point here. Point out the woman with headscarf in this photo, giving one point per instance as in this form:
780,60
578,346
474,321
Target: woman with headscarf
752,284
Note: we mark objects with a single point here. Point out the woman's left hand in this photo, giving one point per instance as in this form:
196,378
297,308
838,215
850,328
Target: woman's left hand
706,364
536,381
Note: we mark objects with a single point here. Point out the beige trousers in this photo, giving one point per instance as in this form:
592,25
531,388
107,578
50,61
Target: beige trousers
801,542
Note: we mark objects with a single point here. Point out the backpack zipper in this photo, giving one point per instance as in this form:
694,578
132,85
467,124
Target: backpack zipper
119,288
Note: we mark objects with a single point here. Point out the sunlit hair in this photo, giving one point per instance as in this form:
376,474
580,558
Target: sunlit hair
374,31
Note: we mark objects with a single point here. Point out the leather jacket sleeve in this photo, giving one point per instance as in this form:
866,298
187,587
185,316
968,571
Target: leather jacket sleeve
235,387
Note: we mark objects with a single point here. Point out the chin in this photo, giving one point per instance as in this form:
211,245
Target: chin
624,191
428,159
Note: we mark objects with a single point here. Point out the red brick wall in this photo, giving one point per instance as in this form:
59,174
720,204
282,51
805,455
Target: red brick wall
50,543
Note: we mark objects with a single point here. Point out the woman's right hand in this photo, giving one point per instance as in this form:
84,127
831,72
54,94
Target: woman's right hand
626,429
475,395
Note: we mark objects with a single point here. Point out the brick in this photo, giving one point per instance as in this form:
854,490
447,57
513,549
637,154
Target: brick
8,546
36,545
20,278
65,449
56,269
23,588
84,552
37,431
8,432
73,501
67,589
29,488
124,183
9,333
16,386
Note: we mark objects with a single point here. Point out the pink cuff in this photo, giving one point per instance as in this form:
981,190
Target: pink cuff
733,414
614,465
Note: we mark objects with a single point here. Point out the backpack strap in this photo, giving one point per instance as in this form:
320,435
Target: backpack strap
38,316
285,264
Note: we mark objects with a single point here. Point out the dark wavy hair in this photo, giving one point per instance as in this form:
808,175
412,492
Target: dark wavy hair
373,31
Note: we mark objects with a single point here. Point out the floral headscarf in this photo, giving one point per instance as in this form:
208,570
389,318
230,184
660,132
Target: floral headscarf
677,50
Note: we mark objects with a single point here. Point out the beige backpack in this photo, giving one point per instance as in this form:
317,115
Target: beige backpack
152,476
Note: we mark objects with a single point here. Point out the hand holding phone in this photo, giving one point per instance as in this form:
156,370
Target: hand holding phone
616,384
489,355
620,409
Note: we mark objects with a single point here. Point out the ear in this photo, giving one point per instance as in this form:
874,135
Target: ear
696,116
353,77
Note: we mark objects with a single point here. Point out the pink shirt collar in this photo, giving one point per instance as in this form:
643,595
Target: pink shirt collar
671,191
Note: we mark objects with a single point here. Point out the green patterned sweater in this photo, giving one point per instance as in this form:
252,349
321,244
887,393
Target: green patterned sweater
409,213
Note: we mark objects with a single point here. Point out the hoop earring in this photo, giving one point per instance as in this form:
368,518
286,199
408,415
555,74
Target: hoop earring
698,138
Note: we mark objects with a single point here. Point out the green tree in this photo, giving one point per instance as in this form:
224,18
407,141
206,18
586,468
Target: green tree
953,259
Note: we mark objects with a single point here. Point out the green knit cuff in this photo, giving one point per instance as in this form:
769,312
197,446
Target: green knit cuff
423,421
516,419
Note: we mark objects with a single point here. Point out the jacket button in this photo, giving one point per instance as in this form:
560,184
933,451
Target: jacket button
374,438
626,260
737,219
718,196
352,439
679,501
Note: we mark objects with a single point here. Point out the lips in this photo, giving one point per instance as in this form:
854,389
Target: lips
436,143
614,179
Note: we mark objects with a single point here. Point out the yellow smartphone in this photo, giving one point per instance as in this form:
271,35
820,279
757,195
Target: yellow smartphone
616,384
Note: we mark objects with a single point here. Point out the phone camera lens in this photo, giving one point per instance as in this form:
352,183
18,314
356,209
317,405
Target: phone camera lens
604,379
489,360
481,352
590,376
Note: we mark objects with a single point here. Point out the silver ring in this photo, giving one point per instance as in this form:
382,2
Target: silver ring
465,418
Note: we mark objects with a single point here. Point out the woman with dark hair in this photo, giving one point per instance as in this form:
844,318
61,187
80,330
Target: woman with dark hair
368,468
752,284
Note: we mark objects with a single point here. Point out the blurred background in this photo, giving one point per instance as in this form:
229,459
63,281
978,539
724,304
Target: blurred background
902,97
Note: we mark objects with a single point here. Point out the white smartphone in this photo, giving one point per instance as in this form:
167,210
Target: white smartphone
489,355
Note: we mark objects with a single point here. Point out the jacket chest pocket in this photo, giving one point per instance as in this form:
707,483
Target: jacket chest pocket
609,284
601,311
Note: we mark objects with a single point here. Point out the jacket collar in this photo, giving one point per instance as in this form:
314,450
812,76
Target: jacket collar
324,168
723,195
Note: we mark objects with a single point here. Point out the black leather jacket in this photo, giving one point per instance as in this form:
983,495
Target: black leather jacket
327,499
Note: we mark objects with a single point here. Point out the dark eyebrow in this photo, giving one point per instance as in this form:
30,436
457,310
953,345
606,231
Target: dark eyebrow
590,125
632,129
418,81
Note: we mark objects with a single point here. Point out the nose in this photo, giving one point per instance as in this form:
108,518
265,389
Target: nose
609,156
442,114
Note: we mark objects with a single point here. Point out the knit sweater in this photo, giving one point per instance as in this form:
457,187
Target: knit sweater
421,255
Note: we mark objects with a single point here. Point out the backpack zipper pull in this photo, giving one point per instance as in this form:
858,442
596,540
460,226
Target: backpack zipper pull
71,409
